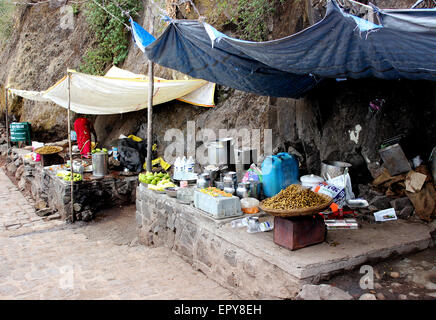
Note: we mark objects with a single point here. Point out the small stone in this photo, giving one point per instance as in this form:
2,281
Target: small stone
367,296
380,296
395,284
406,212
377,286
22,184
19,172
395,274
377,274
380,202
426,264
11,168
412,294
44,212
432,294
400,203
40,204
77,207
322,292
402,297
54,216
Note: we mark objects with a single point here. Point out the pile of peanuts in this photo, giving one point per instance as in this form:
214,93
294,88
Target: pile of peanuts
294,197
48,150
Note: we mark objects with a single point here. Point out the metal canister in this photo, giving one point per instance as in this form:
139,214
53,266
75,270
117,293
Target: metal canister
254,189
242,190
231,176
203,181
99,164
229,189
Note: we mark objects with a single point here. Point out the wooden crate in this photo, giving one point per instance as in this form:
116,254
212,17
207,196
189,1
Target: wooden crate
299,232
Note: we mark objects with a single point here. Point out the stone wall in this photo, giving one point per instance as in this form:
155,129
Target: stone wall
252,265
199,240
53,194
90,196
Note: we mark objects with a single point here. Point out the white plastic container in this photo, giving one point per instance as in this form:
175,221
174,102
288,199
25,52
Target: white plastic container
310,180
218,207
250,205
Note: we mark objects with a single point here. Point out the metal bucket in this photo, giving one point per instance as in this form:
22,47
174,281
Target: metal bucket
395,160
332,169
221,152
99,164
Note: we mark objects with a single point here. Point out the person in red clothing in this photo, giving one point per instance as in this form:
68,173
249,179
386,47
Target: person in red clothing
84,128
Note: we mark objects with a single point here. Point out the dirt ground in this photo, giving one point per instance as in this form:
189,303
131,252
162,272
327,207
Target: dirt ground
416,278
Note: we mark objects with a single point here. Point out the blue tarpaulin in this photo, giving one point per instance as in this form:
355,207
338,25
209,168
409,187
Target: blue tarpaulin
339,46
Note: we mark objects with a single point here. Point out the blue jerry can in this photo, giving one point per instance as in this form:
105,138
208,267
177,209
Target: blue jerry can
278,172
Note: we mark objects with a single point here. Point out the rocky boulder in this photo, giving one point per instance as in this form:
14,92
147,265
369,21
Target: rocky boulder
322,292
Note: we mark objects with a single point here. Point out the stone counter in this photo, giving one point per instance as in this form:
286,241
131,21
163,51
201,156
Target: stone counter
252,265
90,195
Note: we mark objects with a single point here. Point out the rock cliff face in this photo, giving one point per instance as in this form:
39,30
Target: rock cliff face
38,54
333,122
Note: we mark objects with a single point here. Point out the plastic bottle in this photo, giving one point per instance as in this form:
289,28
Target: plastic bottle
183,164
260,227
243,222
177,165
190,165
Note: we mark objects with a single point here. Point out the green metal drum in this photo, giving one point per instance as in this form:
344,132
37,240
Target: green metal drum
20,131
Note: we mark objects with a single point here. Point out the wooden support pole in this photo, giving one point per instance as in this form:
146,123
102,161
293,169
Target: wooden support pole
70,147
150,100
7,117
150,114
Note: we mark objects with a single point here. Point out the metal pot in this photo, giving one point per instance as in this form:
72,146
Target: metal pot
99,164
221,152
244,158
332,169
213,173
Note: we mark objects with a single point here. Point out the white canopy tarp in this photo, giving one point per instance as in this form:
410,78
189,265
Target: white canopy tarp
120,91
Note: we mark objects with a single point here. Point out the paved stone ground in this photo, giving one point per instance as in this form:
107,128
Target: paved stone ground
100,260
16,212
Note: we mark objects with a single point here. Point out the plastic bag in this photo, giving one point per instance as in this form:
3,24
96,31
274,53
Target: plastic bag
132,154
253,174
343,181
335,192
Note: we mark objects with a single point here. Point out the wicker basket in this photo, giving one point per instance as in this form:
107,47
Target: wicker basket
299,212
